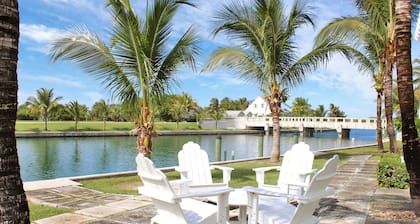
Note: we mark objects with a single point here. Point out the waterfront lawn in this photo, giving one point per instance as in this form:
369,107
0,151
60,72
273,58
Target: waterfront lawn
38,126
42,211
241,176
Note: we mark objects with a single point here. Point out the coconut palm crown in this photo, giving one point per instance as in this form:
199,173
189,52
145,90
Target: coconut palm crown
138,65
266,51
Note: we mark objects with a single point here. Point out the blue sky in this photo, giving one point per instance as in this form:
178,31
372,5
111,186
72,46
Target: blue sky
44,20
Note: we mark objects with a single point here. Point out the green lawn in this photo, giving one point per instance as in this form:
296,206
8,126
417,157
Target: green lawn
38,126
42,211
242,175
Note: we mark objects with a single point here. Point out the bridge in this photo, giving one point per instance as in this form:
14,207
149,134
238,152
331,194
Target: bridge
306,125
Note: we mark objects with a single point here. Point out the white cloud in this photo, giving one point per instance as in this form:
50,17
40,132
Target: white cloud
40,33
93,6
343,76
64,81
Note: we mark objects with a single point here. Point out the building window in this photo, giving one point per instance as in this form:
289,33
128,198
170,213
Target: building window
262,105
255,105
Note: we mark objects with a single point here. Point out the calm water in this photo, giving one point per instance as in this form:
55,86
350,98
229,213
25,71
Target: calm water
48,158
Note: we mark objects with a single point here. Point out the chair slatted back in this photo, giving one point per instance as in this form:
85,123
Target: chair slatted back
299,159
316,190
157,187
195,160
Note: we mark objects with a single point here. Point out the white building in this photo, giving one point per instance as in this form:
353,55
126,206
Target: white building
258,107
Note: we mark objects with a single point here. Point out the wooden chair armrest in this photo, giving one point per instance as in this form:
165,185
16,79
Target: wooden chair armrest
221,167
260,191
205,193
313,171
226,172
267,168
260,173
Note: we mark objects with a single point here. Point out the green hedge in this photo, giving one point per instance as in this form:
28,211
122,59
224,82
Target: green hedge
391,172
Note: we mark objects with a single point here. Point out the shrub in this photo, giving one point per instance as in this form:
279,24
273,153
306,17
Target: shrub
391,172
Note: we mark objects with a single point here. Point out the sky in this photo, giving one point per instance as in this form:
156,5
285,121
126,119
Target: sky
43,21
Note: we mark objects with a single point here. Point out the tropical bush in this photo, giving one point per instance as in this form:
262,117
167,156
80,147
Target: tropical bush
391,172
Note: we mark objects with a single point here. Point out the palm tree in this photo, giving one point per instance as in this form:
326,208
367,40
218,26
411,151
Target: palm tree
76,111
215,110
138,65
334,111
13,203
320,111
301,107
182,105
268,54
411,147
371,32
100,109
43,103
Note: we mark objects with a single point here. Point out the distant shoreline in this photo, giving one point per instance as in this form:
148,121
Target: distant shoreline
160,133
127,133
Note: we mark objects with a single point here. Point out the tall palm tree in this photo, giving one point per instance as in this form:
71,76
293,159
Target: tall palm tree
43,103
268,53
372,32
411,147
13,203
76,110
138,65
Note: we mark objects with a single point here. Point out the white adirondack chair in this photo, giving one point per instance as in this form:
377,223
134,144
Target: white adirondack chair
295,171
194,166
172,208
272,210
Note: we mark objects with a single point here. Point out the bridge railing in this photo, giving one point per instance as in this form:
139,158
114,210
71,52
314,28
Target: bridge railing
317,122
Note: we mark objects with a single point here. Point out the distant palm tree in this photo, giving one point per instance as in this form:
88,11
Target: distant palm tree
320,111
13,203
215,110
181,106
76,111
334,111
43,103
138,65
411,145
101,109
267,53
301,107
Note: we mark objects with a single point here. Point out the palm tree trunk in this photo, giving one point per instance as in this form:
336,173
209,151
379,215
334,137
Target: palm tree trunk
275,111
144,135
393,148
13,203
410,139
275,148
379,121
45,122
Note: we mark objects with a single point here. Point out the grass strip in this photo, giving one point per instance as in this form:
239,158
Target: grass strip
42,211
65,126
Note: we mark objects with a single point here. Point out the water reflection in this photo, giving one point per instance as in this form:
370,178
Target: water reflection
49,158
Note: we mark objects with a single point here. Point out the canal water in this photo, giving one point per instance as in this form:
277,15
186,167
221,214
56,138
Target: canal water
48,158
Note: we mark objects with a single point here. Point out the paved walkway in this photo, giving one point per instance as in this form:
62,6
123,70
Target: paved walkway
355,185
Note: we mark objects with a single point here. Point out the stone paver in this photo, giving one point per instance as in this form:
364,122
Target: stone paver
66,218
100,211
354,187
